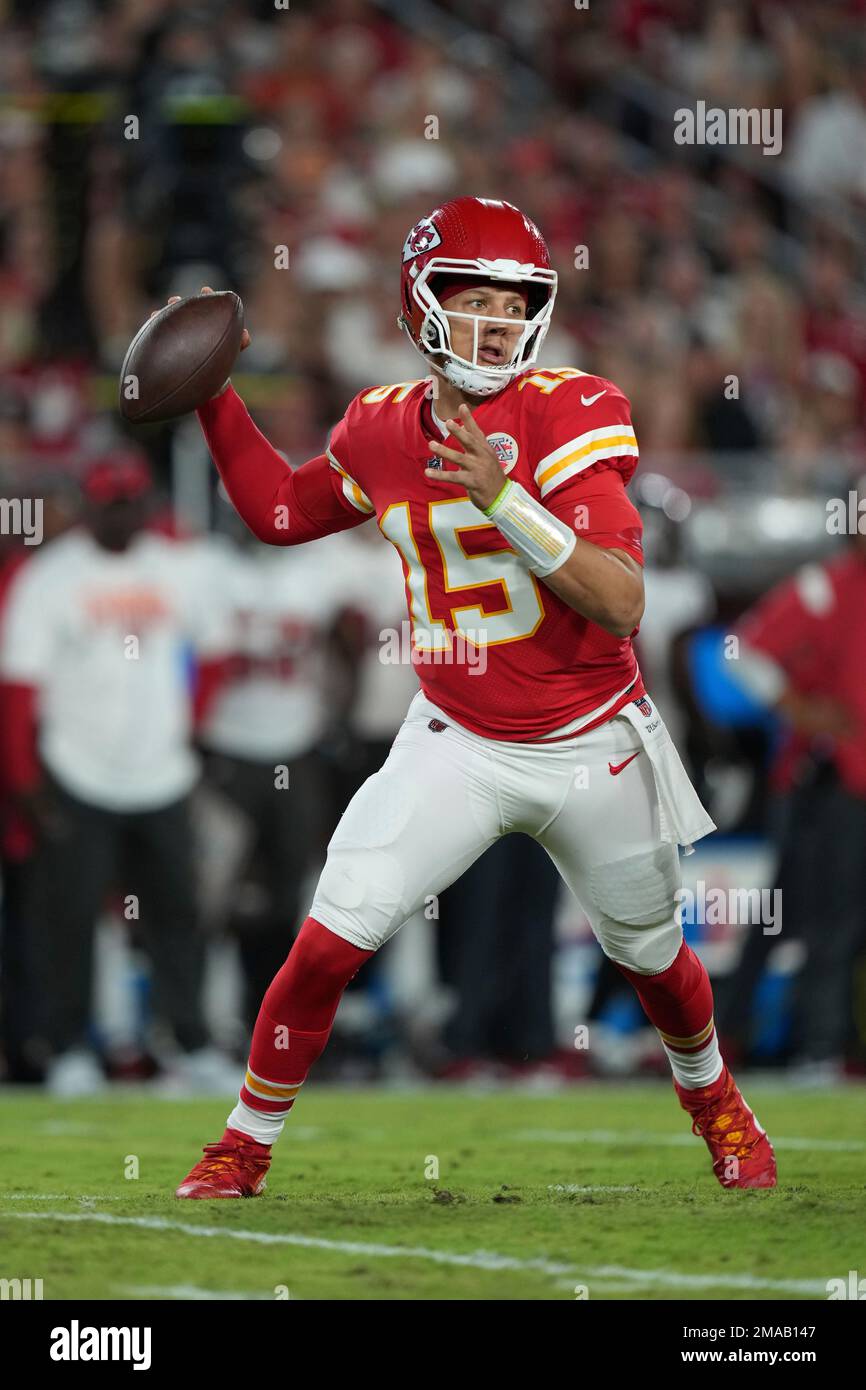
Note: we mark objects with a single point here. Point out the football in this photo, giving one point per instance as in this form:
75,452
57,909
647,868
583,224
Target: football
181,357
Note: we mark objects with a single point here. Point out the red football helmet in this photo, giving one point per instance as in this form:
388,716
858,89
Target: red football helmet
484,240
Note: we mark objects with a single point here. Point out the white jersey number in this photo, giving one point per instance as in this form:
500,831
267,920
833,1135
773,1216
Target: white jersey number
501,571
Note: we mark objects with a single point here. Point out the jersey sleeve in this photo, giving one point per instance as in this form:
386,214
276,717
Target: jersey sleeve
340,457
280,505
584,428
598,509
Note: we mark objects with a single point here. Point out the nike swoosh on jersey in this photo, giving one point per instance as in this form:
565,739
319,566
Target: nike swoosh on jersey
614,771
590,400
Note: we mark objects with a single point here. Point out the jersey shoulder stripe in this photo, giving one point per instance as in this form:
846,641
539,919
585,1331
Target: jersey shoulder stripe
394,394
351,490
571,458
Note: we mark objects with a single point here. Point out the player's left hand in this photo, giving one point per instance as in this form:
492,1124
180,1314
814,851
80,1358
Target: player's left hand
479,470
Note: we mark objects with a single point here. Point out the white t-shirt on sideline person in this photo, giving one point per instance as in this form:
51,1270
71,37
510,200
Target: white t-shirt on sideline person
107,638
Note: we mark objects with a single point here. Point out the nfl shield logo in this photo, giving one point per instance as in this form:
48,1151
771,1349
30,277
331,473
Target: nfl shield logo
644,706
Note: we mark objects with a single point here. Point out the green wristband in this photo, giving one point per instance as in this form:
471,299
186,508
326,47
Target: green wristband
488,511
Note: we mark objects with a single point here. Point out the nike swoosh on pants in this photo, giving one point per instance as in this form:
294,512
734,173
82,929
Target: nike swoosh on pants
614,771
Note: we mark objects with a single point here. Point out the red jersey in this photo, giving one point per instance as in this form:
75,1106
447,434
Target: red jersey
567,438
813,627
492,644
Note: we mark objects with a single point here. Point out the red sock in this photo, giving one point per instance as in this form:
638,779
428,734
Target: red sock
679,1003
295,1021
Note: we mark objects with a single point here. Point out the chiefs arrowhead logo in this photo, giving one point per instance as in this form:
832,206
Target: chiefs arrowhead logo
422,237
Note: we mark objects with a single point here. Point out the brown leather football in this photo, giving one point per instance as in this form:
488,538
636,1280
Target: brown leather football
181,357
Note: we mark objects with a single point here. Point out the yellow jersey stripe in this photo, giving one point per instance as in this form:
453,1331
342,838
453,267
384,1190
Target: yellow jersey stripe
356,496
622,442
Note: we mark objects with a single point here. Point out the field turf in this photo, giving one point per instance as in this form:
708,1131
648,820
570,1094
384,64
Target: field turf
600,1191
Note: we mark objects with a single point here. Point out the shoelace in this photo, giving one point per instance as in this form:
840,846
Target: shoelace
218,1155
706,1126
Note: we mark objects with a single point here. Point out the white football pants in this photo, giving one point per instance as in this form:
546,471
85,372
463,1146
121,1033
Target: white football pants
443,797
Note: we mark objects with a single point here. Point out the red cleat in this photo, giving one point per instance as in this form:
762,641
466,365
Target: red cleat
235,1167
742,1154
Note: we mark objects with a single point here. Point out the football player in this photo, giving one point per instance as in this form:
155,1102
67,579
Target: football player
503,487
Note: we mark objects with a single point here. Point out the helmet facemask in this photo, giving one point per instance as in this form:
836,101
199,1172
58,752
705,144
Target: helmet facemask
470,375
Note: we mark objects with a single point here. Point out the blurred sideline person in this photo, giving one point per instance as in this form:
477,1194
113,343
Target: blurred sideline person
23,1050
803,653
96,745
679,598
385,679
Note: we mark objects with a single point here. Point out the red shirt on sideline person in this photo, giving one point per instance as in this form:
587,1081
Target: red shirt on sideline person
805,652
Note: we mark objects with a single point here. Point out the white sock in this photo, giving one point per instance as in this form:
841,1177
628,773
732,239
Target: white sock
265,1129
695,1069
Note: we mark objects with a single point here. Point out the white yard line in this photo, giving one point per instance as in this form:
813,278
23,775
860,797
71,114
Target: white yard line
674,1279
479,1259
670,1141
58,1197
575,1187
74,1129
189,1291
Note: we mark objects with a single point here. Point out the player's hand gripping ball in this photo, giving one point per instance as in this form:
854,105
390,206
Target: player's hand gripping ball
182,356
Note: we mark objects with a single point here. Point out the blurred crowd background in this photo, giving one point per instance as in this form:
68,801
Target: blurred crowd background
149,147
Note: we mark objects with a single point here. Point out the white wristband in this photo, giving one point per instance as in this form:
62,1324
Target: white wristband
536,534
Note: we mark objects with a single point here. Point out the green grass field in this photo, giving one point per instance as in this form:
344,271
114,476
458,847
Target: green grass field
600,1186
